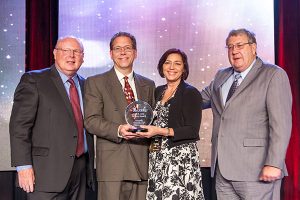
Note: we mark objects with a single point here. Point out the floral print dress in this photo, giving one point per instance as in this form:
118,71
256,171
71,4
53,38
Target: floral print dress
174,173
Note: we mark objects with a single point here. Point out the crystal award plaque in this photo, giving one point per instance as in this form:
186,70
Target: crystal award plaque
139,113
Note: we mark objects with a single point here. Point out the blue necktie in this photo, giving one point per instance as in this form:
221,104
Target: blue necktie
234,86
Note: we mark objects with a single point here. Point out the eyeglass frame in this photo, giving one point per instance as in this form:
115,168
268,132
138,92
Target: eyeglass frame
126,49
76,52
238,46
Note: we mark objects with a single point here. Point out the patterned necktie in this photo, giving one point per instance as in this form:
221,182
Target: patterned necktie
74,99
128,91
234,86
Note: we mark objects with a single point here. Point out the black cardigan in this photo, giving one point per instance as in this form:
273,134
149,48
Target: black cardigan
184,114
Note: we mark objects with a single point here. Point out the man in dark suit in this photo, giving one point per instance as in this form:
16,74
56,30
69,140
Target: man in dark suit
122,158
52,152
251,103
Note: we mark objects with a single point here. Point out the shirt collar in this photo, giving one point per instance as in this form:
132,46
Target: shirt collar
121,76
65,78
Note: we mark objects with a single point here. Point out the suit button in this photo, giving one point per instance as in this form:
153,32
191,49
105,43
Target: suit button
72,156
222,118
74,136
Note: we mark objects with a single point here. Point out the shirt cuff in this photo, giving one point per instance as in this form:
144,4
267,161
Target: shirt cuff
19,168
119,135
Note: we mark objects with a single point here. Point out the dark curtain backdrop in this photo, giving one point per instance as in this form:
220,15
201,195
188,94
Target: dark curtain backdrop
41,33
287,42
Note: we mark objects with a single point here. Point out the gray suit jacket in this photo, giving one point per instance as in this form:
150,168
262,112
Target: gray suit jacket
253,128
105,103
43,130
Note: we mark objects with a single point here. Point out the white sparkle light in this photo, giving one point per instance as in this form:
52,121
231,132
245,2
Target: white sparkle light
8,57
191,49
5,30
163,19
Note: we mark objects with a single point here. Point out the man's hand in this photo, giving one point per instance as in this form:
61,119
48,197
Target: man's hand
26,179
270,174
124,131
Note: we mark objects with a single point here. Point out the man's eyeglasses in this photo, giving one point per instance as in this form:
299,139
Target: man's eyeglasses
76,52
238,46
126,49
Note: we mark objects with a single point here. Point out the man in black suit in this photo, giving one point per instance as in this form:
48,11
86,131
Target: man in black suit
52,152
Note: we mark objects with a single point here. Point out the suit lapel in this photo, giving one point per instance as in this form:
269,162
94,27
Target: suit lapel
114,89
140,88
61,89
226,73
81,83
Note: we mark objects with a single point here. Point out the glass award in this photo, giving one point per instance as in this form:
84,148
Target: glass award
138,113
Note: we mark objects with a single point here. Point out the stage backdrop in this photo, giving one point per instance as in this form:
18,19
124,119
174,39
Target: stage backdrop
12,66
197,27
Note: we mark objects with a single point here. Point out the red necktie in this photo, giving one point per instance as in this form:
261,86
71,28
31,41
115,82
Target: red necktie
128,91
74,98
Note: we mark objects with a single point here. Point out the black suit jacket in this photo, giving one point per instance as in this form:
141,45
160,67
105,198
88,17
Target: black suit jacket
43,130
185,113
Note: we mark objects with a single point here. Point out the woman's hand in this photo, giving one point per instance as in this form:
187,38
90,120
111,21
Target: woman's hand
152,131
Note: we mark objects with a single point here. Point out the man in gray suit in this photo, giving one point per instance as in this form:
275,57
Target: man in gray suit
122,158
251,103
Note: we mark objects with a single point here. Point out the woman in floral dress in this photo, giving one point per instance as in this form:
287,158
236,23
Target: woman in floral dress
174,166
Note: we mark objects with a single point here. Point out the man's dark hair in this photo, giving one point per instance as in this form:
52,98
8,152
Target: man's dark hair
124,34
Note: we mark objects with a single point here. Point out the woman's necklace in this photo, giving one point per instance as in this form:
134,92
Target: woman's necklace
171,95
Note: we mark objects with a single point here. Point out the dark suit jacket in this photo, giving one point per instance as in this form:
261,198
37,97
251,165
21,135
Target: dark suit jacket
43,130
185,113
105,103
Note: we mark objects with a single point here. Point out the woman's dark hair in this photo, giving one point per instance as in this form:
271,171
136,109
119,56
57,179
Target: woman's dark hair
164,57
